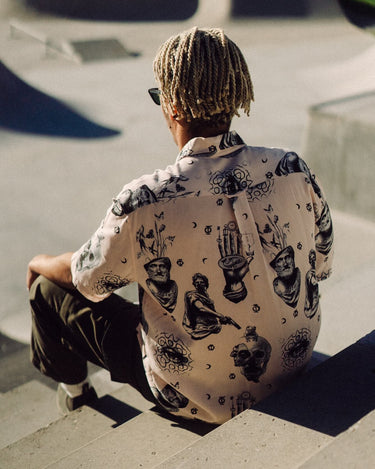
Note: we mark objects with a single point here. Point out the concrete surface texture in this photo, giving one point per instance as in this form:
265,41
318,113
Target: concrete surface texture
54,191
341,143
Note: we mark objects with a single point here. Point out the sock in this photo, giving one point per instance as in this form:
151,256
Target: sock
74,390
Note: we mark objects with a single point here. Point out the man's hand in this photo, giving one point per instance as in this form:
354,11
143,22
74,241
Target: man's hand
54,268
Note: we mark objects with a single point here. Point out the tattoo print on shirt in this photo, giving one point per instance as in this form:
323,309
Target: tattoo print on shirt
295,349
312,288
91,254
231,181
110,282
292,163
242,402
324,239
155,243
253,356
172,354
287,284
171,399
200,318
233,263
129,200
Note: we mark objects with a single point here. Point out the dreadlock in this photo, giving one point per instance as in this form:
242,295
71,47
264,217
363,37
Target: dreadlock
203,76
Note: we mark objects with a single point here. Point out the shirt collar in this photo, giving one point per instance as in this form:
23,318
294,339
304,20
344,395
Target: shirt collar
220,145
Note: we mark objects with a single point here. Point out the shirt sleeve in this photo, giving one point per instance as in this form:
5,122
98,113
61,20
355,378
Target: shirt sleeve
324,235
105,262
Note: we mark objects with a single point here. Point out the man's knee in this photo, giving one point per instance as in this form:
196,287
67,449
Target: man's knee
43,290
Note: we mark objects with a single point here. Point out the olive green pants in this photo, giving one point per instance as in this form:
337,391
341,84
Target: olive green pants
68,331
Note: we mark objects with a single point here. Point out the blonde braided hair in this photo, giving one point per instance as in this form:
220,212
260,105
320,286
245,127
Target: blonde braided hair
203,77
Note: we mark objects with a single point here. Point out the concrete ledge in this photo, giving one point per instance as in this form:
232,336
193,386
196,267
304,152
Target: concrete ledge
339,146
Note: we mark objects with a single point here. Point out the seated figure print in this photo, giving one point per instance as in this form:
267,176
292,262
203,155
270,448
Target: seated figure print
200,318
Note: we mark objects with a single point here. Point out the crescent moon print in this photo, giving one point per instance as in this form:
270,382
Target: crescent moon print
264,160
208,366
194,224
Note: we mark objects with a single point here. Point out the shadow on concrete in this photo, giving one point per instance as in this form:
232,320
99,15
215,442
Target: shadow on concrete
114,409
163,10
26,109
332,396
119,10
359,13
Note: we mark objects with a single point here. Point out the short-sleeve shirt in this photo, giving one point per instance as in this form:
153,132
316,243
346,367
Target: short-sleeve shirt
227,246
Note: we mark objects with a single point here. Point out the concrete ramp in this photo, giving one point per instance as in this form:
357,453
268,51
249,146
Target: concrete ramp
211,13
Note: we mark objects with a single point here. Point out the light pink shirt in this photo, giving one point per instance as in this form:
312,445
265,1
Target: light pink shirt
227,245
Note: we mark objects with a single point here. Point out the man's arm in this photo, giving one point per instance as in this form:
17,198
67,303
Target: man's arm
54,268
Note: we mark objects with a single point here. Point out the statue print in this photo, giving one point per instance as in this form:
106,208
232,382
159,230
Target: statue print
287,284
200,318
233,263
154,244
324,238
253,356
273,238
230,181
109,282
171,354
292,163
160,284
295,349
170,399
91,254
128,200
242,402
141,294
312,288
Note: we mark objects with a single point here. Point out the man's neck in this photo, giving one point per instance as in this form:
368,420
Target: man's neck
184,131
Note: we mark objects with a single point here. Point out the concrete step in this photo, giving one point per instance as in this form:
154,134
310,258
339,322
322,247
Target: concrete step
144,442
353,448
24,410
294,424
67,434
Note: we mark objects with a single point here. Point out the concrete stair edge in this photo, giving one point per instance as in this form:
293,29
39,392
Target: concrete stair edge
115,447
64,434
25,410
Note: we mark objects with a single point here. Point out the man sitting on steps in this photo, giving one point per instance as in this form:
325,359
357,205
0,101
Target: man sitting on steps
223,212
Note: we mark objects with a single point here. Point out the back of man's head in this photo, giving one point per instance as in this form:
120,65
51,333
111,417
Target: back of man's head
203,77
